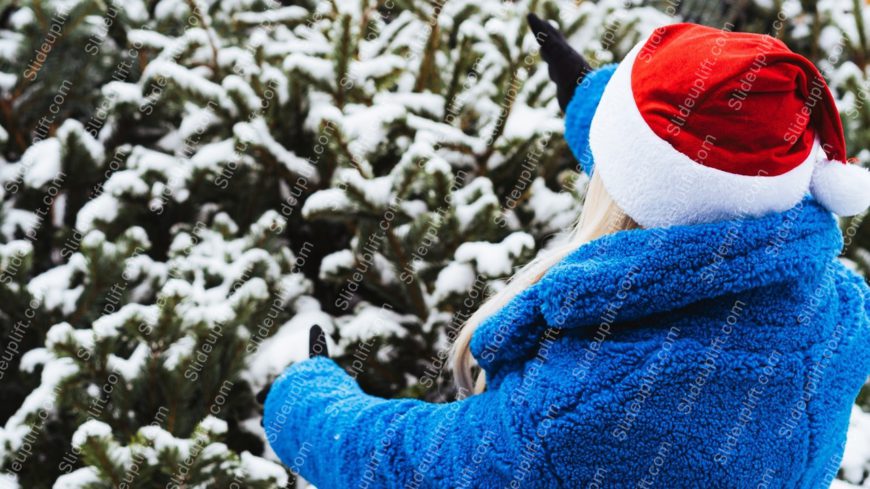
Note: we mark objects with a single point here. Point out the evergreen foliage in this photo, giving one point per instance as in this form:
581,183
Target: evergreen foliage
188,185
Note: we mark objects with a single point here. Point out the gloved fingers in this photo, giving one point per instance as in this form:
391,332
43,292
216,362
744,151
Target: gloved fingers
261,396
565,66
554,47
316,347
317,343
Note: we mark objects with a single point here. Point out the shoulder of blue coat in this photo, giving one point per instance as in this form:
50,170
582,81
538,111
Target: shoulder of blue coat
506,335
313,375
313,366
578,114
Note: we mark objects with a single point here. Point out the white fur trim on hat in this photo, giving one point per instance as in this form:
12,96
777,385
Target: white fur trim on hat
659,186
843,189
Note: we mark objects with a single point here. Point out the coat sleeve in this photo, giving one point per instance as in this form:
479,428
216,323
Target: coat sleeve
324,428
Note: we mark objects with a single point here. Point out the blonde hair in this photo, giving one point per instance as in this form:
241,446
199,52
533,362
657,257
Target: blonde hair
600,216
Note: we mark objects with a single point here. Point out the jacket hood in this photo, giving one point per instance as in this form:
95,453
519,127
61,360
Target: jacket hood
633,274
578,114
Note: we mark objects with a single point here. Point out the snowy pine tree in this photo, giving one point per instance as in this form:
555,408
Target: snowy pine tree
188,185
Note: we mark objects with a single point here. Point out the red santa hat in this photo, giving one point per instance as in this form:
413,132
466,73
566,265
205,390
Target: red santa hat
699,124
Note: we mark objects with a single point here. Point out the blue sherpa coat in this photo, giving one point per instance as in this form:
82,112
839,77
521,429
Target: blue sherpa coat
722,355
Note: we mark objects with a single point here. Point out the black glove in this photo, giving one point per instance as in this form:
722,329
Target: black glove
565,65
317,343
316,348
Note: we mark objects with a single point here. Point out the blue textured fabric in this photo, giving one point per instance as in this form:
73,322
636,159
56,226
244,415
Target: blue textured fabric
722,355
578,114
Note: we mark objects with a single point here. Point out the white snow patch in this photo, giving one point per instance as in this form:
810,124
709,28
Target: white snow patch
103,208
130,368
261,469
257,133
318,69
52,288
90,429
495,259
525,123
334,263
72,128
856,458
324,201
287,344
32,359
370,322
213,425
179,350
78,479
41,398
188,80
455,278
41,163
273,16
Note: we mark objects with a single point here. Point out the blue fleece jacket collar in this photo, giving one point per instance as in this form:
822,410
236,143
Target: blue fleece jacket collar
633,274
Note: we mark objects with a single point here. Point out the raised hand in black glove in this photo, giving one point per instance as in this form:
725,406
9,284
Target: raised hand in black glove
565,65
316,348
317,343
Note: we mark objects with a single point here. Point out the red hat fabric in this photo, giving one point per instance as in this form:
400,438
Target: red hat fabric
699,124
